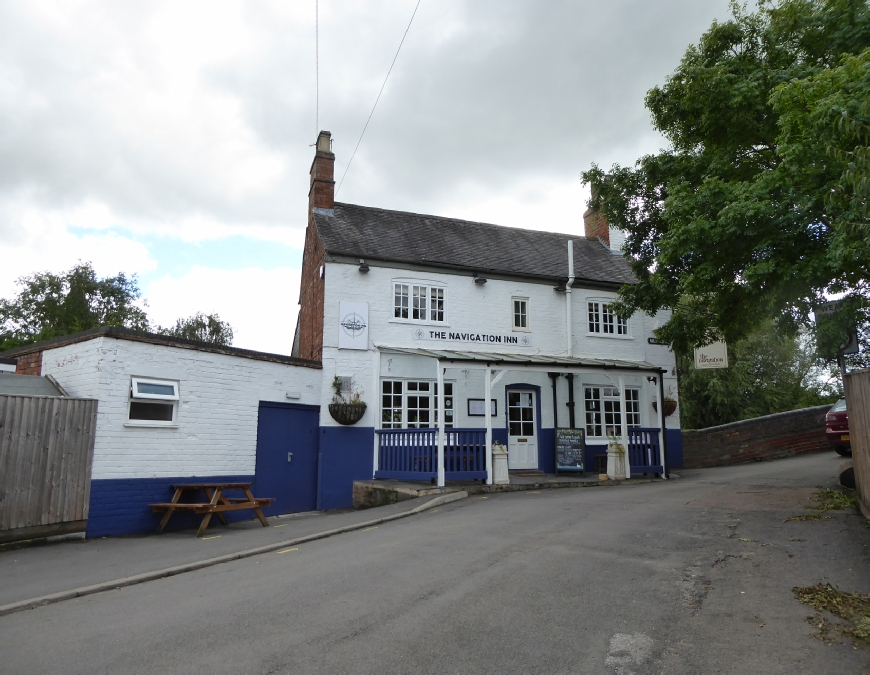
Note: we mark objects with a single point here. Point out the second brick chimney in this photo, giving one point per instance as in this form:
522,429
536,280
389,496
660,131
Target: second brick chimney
595,225
321,193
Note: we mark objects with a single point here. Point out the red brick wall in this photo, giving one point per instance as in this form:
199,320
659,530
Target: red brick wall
770,437
29,364
311,294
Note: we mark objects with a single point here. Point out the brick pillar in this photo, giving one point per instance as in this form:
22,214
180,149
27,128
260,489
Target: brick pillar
29,364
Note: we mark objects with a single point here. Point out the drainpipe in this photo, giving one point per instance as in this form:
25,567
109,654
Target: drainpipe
570,402
554,377
568,327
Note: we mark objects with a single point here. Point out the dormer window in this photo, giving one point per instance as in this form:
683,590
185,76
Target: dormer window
419,303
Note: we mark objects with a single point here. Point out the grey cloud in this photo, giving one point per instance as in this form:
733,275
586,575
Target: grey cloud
484,93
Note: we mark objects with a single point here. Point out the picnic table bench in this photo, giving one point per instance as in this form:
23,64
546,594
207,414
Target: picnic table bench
218,503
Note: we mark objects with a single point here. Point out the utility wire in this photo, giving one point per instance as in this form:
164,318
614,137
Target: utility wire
379,97
316,67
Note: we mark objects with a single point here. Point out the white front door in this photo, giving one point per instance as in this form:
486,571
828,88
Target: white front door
522,431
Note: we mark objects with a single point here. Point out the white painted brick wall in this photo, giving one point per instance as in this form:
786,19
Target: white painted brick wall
217,412
483,309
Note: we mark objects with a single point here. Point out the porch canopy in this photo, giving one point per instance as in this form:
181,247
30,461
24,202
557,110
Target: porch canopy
503,362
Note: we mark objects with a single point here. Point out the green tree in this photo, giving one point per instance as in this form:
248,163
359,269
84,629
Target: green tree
767,373
50,305
757,209
202,328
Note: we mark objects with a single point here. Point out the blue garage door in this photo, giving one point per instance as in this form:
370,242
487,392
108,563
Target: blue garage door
287,457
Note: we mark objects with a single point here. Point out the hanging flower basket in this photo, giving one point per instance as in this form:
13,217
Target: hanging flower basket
347,413
669,408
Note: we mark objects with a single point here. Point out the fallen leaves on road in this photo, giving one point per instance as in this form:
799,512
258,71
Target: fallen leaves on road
808,516
834,500
854,608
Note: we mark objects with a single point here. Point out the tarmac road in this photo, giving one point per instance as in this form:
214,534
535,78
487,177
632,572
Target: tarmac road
689,576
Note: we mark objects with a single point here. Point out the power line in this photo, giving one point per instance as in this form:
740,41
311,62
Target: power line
316,67
379,96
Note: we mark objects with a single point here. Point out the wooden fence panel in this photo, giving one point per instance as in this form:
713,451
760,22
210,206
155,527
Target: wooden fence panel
857,386
46,451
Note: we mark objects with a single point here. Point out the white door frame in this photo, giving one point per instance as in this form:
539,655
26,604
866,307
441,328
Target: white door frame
535,422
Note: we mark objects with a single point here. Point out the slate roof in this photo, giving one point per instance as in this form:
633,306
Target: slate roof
397,236
27,385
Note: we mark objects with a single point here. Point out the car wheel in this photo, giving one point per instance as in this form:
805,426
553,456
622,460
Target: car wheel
843,451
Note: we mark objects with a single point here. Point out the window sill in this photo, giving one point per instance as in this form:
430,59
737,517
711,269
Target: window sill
520,330
607,336
151,425
412,322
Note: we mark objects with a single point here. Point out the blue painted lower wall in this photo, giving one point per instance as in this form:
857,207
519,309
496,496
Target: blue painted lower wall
346,455
120,506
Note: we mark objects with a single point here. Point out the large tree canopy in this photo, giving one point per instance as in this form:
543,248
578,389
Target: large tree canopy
759,206
50,305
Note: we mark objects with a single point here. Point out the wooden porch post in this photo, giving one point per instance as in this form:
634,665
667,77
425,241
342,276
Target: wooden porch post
440,405
377,406
486,408
661,416
624,429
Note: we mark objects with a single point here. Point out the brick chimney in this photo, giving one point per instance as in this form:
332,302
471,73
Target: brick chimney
595,225
321,194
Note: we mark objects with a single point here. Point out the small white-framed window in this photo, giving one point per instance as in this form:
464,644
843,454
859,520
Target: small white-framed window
520,313
419,303
152,402
602,320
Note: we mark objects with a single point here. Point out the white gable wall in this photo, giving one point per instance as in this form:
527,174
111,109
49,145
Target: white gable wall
216,430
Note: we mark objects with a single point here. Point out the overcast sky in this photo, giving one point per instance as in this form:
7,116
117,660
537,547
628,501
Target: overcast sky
172,139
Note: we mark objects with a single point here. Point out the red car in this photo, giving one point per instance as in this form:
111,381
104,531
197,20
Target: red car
837,428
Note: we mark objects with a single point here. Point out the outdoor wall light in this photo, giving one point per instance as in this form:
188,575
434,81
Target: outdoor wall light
363,266
479,280
651,379
560,288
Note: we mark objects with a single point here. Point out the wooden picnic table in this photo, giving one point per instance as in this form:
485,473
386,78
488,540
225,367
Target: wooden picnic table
218,503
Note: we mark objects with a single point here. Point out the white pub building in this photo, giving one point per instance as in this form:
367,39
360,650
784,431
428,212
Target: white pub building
459,334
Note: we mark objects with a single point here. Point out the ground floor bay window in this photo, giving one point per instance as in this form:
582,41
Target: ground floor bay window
412,404
603,407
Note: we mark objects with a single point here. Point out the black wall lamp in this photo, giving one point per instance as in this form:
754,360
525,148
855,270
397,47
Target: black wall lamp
363,266
480,281
560,288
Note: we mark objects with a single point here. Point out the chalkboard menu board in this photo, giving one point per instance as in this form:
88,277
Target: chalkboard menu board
570,449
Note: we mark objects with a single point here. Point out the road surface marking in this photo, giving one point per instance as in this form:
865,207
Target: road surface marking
287,550
370,528
217,536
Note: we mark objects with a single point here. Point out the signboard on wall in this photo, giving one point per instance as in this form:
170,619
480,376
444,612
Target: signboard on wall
714,355
484,337
570,449
353,325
